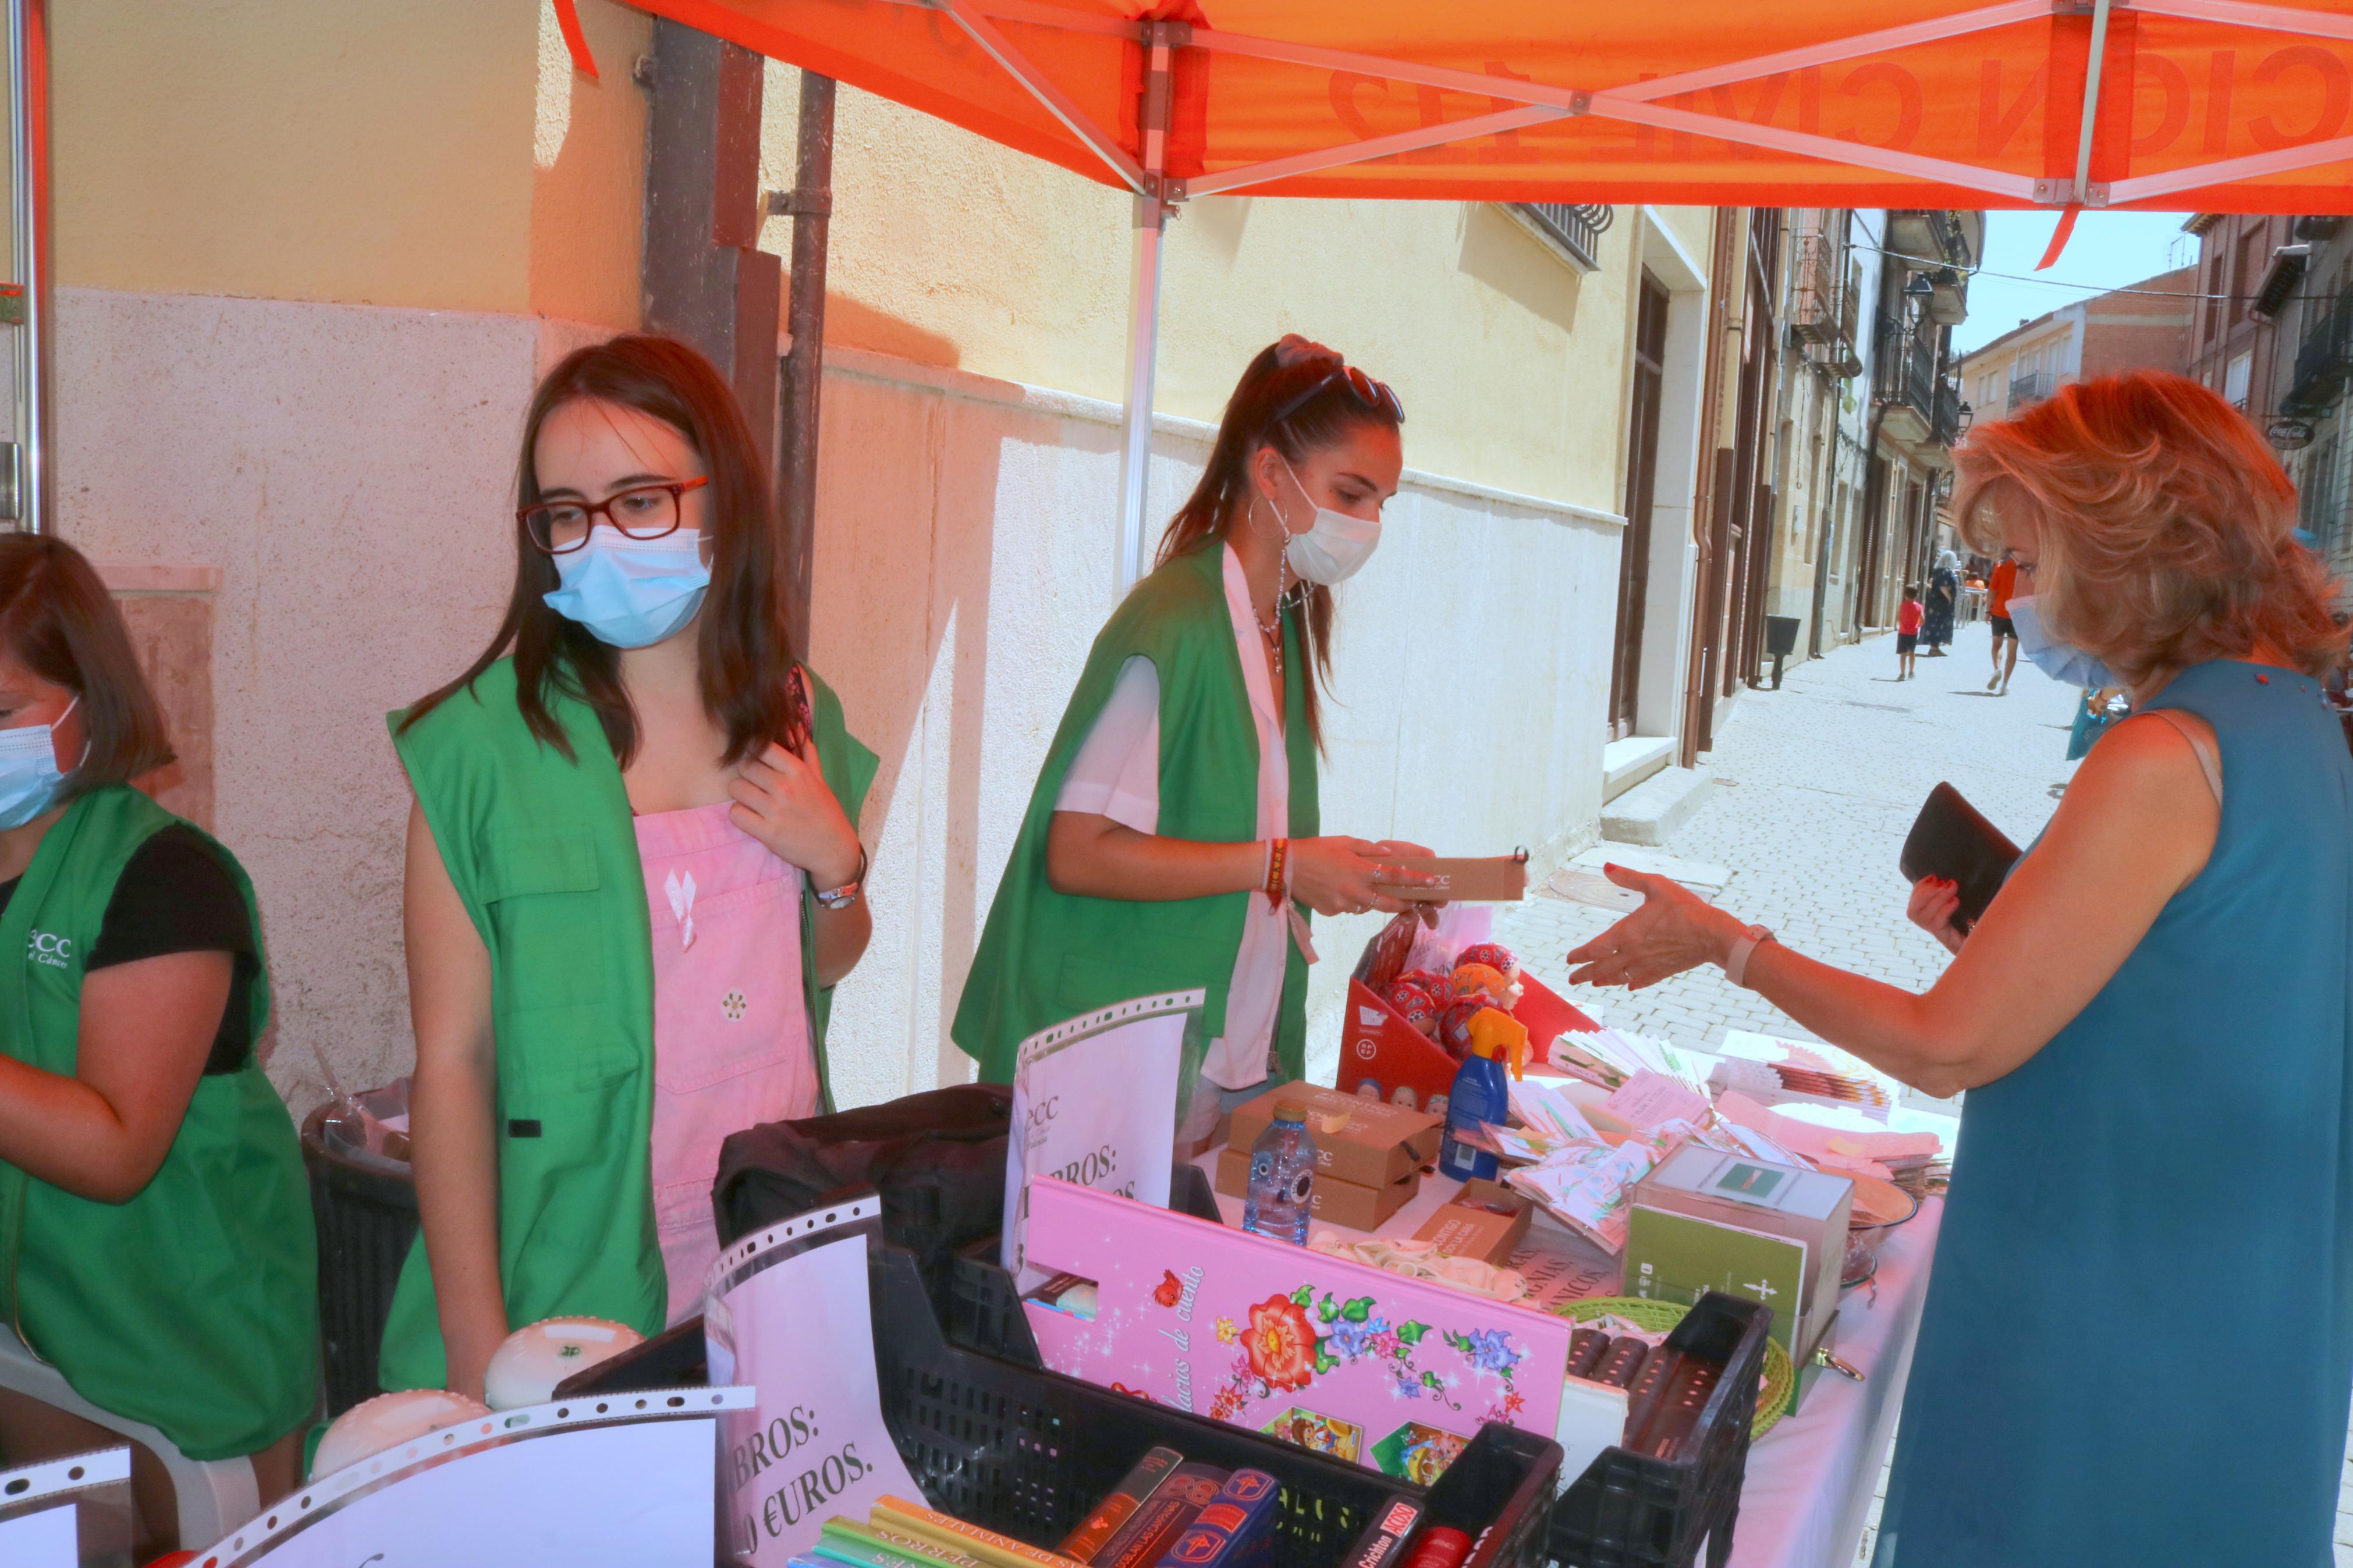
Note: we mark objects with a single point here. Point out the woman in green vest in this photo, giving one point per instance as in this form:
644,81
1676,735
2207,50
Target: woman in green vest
155,1237
1174,831
633,875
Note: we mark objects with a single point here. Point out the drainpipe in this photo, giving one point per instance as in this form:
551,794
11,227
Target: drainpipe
810,205
27,489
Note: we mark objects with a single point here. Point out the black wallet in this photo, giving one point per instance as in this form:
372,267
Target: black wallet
1951,839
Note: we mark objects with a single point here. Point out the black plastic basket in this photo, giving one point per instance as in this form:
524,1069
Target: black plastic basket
1630,1512
1028,1453
365,1220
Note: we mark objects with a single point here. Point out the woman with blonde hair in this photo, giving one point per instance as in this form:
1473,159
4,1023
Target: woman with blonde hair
2138,1340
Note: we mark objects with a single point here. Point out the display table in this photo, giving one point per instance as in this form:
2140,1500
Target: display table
1810,1481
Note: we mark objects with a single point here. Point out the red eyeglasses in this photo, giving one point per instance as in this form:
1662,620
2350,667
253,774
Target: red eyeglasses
645,511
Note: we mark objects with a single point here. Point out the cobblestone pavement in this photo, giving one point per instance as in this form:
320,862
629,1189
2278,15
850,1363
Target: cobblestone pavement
1815,786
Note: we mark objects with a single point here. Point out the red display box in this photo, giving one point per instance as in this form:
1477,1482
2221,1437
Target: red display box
1382,1057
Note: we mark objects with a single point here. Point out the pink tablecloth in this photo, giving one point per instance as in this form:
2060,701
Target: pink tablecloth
1811,1479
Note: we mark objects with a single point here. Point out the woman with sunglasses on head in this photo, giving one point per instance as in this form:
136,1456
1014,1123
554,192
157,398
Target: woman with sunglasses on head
155,1237
1174,827
633,875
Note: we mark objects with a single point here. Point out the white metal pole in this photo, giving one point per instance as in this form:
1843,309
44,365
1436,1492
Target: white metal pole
1151,213
1143,347
34,504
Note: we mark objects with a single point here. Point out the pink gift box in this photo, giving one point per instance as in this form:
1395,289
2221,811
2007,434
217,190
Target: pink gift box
1393,1374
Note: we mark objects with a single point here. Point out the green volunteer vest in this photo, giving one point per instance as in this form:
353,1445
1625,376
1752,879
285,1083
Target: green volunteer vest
192,1307
543,853
1046,956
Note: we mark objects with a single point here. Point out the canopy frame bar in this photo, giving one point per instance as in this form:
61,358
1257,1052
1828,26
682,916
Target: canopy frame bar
2091,102
1058,103
1153,211
1379,147
1635,102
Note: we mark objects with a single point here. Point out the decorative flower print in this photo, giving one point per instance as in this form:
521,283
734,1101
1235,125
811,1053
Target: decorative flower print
1281,1344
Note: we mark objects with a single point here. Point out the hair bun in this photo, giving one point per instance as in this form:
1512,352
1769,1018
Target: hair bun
1295,350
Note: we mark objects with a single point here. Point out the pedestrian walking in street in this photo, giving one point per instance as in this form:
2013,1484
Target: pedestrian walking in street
2005,635
1944,594
2153,1019
1908,616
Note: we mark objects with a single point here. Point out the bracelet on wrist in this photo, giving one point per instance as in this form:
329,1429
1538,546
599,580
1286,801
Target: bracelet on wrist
1278,855
846,894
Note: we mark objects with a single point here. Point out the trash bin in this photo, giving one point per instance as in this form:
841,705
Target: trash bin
1780,641
364,1207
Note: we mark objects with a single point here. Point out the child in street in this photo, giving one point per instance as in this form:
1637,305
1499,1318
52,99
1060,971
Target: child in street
1908,616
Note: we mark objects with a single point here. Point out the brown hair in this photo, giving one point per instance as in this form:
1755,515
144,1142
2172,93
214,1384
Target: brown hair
2164,523
58,620
1323,421
744,652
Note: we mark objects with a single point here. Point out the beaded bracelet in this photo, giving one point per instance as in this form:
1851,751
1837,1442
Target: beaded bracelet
1277,851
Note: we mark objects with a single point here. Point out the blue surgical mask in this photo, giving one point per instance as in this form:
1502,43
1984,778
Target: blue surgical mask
2060,661
631,593
29,780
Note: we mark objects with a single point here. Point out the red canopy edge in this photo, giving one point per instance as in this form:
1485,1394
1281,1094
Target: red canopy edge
2212,104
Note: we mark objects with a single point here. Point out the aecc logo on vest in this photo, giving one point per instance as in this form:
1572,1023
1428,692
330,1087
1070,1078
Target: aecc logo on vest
57,952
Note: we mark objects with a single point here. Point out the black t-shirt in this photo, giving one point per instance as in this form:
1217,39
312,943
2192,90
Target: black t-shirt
174,897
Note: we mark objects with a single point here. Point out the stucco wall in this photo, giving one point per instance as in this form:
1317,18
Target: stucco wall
954,253
437,154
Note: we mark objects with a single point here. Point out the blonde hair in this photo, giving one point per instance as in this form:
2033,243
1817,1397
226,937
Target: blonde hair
2164,527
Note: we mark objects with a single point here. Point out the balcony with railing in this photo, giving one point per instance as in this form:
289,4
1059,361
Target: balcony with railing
2324,361
1904,382
1577,229
2028,388
1945,428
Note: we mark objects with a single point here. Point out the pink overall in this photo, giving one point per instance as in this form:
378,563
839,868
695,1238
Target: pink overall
731,1023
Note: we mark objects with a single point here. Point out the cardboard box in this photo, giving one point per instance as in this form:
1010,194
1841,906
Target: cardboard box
1704,1220
1366,1141
1484,1220
1494,879
1384,1057
1330,1201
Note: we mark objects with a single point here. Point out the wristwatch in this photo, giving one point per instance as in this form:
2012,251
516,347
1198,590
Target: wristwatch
844,896
1736,963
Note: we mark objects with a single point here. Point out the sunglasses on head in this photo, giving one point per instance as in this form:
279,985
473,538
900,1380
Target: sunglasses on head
1375,395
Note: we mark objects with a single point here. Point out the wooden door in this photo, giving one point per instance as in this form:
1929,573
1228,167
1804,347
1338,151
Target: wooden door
1642,484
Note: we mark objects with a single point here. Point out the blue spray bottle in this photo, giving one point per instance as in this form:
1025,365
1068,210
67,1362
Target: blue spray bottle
1481,1092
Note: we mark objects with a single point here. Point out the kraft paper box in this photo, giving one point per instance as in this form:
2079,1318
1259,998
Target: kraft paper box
1485,1220
1357,1139
1391,1373
1705,1220
1330,1201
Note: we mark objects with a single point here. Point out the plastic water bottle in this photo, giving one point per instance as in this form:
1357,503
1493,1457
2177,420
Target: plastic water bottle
1281,1175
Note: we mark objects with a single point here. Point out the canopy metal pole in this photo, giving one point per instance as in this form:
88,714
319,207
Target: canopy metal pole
1153,212
32,503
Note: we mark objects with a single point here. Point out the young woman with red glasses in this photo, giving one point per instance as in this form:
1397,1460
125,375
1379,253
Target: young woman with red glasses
1174,828
633,875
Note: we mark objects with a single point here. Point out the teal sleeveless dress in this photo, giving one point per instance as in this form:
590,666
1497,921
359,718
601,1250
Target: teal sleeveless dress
2138,1337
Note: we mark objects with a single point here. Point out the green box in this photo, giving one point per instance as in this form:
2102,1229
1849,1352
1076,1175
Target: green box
1676,1256
1776,1235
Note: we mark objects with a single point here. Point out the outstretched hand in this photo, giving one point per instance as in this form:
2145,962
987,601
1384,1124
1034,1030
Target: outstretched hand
1674,931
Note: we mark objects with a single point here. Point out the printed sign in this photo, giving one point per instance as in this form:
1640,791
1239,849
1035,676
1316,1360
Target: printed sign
73,1512
787,1312
1095,1103
610,1481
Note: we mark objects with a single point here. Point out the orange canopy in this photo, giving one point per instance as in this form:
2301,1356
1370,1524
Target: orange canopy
2206,104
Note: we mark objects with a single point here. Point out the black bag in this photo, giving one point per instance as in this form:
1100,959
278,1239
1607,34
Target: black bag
936,1158
1951,839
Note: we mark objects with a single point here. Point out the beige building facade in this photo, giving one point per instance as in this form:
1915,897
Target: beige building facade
312,257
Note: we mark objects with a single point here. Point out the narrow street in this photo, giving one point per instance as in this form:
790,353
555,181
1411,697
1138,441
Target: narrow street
1815,786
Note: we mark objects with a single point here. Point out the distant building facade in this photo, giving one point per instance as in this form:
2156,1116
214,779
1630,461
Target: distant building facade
2142,326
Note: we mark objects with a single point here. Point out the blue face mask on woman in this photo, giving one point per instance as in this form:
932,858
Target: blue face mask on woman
2060,661
29,780
631,593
